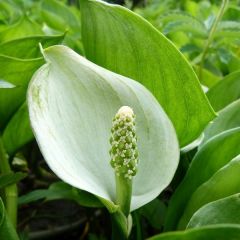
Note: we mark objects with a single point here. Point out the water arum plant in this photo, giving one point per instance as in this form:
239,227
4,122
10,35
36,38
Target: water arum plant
124,155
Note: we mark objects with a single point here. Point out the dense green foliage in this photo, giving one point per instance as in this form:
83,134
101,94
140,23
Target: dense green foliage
175,63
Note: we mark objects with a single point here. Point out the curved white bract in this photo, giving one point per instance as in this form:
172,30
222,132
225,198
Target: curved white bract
72,102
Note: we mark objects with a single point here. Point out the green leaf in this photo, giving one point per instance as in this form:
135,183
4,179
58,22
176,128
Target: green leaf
223,183
225,91
228,118
17,72
9,12
181,21
222,211
125,43
58,16
193,144
154,212
61,190
10,100
215,232
228,29
71,109
10,178
18,131
29,46
23,28
234,64
7,231
208,78
213,155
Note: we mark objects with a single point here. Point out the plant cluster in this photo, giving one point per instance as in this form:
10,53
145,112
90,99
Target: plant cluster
126,118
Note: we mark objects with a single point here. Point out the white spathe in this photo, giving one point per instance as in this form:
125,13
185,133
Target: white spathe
72,102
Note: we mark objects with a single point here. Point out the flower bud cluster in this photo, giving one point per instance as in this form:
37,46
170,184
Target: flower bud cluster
123,152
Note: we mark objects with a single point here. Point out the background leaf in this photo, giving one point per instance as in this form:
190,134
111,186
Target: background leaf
223,183
7,231
10,178
23,28
29,46
18,131
61,190
123,42
215,232
225,91
228,118
210,158
181,21
17,72
226,210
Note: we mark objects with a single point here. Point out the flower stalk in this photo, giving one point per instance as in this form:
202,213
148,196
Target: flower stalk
11,190
124,155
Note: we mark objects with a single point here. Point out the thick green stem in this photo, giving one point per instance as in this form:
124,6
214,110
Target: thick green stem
119,226
211,36
124,193
10,191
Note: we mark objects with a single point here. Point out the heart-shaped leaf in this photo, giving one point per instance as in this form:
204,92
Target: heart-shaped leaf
123,42
213,155
72,102
226,210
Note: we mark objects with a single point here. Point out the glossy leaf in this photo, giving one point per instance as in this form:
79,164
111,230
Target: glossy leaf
228,118
7,231
215,232
222,211
125,43
71,109
223,183
213,155
225,91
